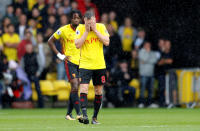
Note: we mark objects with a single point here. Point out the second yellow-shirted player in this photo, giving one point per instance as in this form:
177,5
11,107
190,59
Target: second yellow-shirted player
90,38
67,35
71,56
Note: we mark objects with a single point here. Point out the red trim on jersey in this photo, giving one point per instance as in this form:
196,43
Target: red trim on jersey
72,27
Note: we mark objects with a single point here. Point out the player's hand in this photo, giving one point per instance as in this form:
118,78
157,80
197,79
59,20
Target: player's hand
87,25
93,24
126,76
161,62
67,58
37,74
168,61
58,61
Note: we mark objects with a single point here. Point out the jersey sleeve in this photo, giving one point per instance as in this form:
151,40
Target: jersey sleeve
79,32
58,33
104,31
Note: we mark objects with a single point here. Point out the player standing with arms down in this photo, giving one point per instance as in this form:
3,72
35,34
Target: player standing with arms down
71,56
90,38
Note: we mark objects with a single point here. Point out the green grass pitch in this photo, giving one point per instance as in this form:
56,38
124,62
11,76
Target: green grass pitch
120,119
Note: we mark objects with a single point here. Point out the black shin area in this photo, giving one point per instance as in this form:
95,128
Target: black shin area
83,103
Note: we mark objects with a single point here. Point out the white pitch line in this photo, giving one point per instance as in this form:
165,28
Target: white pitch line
3,113
154,126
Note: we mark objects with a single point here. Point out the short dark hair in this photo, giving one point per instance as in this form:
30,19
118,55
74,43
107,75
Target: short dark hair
27,31
10,6
168,40
10,25
51,16
123,60
74,12
141,29
146,41
89,14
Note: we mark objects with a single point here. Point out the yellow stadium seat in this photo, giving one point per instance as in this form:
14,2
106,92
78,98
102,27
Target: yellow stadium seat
186,92
63,89
47,88
91,87
61,84
197,93
136,84
34,95
63,95
33,86
51,76
91,93
178,73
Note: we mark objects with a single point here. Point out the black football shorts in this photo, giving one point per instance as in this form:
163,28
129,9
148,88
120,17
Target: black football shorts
72,70
98,76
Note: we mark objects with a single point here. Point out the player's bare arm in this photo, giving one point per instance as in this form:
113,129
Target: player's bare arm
15,45
104,39
80,42
51,44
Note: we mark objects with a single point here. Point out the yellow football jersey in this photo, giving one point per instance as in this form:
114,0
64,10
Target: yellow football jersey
127,39
114,24
67,33
92,56
11,53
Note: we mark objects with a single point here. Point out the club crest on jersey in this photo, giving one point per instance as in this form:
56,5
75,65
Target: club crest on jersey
58,32
77,32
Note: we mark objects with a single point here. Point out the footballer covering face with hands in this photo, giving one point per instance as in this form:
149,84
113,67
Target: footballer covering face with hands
90,39
71,55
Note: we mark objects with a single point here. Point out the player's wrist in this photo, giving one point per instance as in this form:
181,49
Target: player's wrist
86,31
61,56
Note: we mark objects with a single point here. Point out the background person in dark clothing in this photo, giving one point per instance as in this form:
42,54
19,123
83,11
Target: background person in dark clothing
121,76
114,50
164,64
3,68
3,63
31,64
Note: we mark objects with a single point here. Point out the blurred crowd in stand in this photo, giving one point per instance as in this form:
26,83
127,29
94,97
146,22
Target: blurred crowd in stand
25,57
